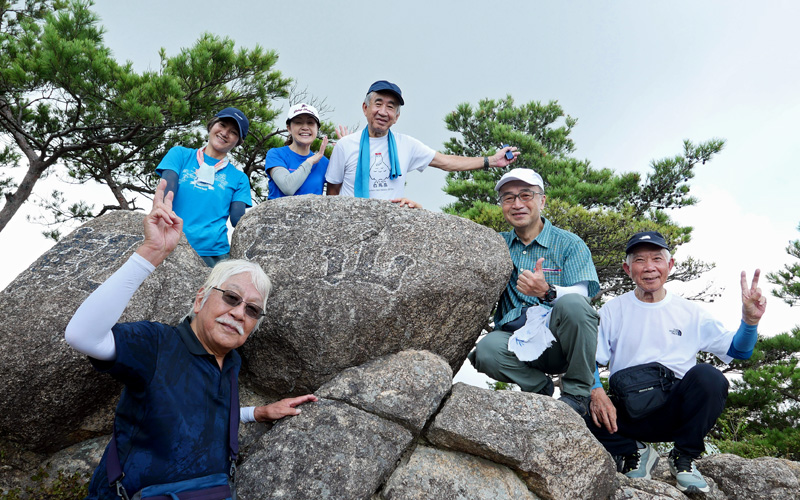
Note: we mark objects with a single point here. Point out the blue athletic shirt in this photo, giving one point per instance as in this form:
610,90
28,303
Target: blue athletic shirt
172,418
288,159
203,208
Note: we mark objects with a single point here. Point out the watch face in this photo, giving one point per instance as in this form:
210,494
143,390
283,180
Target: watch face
550,295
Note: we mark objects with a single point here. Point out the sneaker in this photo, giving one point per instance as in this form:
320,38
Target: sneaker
577,403
688,477
548,388
640,463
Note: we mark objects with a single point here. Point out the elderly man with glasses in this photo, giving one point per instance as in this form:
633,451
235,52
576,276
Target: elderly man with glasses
178,413
544,323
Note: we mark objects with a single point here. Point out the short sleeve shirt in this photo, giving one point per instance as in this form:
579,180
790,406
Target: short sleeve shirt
205,208
567,261
172,420
411,155
288,159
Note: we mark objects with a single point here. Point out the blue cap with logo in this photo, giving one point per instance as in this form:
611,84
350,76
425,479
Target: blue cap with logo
237,116
651,237
384,86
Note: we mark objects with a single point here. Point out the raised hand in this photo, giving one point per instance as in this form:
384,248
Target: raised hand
499,159
341,131
754,303
162,227
317,157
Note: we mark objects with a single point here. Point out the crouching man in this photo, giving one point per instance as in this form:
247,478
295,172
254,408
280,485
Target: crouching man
649,338
544,323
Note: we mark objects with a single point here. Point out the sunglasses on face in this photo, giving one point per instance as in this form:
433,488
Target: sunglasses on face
233,299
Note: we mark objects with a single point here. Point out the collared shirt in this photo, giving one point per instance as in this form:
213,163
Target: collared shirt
172,418
567,261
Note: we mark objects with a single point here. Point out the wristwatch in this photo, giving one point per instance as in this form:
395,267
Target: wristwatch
551,294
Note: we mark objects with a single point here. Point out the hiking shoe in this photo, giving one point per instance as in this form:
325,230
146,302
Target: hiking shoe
688,477
577,403
640,463
548,388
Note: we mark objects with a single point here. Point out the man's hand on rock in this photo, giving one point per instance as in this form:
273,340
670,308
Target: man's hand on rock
283,408
604,413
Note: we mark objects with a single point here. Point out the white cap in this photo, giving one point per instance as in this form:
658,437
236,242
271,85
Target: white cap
525,175
302,109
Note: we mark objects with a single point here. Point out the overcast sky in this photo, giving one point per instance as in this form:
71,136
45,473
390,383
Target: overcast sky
640,77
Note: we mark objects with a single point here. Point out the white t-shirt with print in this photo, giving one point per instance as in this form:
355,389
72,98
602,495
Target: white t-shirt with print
411,155
671,332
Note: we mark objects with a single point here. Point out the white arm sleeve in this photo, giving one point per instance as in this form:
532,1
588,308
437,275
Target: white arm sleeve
89,330
581,287
247,414
290,182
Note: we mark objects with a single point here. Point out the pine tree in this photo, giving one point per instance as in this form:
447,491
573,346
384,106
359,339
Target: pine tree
764,405
64,100
789,278
601,206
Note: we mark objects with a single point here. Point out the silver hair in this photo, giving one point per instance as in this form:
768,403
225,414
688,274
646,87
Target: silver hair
227,269
368,101
629,257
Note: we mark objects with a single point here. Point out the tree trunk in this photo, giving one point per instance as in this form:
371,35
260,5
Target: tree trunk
15,200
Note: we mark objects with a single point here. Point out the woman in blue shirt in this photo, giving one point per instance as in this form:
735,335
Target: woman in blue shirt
293,169
208,188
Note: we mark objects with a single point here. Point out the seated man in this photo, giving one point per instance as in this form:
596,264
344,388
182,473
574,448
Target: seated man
175,418
651,325
553,275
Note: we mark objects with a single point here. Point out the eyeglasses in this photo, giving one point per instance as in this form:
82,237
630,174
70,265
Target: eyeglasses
233,299
525,196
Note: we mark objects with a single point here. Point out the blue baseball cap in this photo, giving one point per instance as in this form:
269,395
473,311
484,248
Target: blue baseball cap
384,86
651,237
237,116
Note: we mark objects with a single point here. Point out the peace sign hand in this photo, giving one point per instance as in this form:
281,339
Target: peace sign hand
754,303
162,227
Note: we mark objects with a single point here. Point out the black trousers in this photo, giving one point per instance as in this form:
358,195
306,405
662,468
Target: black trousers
692,409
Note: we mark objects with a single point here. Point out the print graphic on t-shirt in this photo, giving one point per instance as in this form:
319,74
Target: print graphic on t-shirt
676,331
379,172
219,179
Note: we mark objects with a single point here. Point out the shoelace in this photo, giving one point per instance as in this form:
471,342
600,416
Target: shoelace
682,462
631,462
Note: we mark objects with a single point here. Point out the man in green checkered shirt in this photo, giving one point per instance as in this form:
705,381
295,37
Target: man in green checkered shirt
553,269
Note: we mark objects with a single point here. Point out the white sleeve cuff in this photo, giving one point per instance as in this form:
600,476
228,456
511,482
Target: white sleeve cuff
247,414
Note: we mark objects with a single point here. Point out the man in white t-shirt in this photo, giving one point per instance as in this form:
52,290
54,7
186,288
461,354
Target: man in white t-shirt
373,163
651,325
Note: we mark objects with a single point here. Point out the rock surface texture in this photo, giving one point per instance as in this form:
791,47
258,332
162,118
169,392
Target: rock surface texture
373,307
532,434
357,279
51,396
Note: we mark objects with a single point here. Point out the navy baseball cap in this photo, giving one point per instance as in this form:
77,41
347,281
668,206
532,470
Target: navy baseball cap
651,237
237,116
384,86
